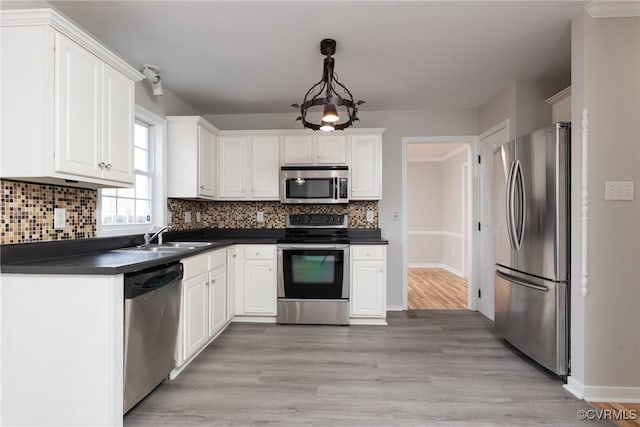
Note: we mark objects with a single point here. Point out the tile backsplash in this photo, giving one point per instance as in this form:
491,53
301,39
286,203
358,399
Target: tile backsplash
244,214
27,212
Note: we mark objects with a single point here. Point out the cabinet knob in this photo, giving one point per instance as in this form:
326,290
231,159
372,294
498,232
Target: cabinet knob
270,269
234,255
243,190
380,270
257,253
368,254
214,280
101,165
353,189
309,156
202,187
108,166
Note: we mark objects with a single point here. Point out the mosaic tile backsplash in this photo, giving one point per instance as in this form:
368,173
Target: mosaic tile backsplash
244,214
27,212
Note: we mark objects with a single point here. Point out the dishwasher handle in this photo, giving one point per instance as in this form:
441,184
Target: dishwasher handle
141,282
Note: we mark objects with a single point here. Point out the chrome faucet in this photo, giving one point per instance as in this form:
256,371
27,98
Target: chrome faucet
158,233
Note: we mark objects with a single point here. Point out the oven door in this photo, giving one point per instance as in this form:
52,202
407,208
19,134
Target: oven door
313,272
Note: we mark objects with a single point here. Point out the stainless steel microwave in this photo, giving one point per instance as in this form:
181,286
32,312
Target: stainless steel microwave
314,184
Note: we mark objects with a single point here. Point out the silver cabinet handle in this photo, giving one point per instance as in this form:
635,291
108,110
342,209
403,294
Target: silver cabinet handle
108,166
101,165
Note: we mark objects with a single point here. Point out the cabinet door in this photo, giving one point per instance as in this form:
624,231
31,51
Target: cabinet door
195,305
78,110
265,170
118,126
259,287
233,161
368,289
232,265
366,167
331,149
217,300
206,163
298,149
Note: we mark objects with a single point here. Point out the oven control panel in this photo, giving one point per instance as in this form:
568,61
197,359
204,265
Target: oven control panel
317,220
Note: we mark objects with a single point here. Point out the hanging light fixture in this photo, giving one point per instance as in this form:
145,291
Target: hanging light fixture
329,94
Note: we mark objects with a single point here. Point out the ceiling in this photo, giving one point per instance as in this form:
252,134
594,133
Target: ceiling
432,150
260,57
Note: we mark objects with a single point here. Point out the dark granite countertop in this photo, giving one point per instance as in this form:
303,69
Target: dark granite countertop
105,256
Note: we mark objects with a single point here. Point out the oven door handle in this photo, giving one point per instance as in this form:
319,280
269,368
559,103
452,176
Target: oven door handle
312,246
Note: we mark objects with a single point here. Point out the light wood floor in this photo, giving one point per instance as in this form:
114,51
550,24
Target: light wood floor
442,368
436,289
624,410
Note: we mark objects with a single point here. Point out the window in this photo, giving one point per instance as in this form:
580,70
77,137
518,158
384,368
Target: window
133,210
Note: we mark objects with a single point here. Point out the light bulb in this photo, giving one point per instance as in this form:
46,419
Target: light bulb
326,127
330,113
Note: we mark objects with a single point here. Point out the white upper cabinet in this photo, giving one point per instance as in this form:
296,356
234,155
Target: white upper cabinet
191,157
561,106
298,149
67,102
265,162
331,149
233,165
366,167
314,149
249,166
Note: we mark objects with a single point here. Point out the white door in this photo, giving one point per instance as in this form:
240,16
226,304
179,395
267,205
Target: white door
217,300
233,164
488,141
298,149
367,298
259,287
119,117
206,163
265,170
365,167
78,110
195,304
331,149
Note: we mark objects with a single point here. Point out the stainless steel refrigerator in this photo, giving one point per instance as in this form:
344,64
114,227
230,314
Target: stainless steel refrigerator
531,224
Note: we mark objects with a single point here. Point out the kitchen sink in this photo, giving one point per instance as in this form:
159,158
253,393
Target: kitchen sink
189,245
170,247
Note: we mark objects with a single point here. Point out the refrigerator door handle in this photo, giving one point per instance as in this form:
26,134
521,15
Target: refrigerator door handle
522,282
519,177
510,213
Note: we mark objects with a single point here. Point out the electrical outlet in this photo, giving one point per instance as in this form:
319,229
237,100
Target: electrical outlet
198,217
187,217
618,190
369,216
59,218
396,216
260,216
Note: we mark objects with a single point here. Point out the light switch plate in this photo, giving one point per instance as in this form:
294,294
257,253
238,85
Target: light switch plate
187,217
260,216
59,218
618,190
369,216
198,217
396,216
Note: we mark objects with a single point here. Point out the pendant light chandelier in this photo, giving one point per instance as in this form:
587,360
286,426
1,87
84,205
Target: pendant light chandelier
329,94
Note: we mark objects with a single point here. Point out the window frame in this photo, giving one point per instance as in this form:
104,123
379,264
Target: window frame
157,133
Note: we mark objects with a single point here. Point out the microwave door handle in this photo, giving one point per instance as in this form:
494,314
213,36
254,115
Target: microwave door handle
336,184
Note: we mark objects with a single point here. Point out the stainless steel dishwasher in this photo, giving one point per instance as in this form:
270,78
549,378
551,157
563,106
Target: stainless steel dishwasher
151,317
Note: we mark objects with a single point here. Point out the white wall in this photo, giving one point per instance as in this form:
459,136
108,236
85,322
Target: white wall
399,124
452,242
606,332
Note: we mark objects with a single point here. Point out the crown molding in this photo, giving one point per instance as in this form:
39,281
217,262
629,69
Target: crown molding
348,131
613,9
57,21
559,96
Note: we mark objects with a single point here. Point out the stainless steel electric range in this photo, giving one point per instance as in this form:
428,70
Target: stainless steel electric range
313,270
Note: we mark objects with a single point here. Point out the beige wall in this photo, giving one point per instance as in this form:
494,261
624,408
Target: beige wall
452,244
606,81
399,124
500,107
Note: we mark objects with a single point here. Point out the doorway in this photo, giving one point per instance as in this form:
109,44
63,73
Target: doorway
438,214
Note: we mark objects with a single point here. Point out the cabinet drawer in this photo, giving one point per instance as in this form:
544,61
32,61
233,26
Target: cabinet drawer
218,259
260,252
195,265
367,252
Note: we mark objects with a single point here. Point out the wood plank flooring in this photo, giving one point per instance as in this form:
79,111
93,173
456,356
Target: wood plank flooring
427,368
436,289
631,411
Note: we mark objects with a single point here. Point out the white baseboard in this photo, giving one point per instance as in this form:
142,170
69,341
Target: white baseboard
395,308
436,265
612,394
574,387
368,321
254,319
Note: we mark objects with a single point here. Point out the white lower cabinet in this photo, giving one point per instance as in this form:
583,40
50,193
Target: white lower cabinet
204,304
256,283
368,283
